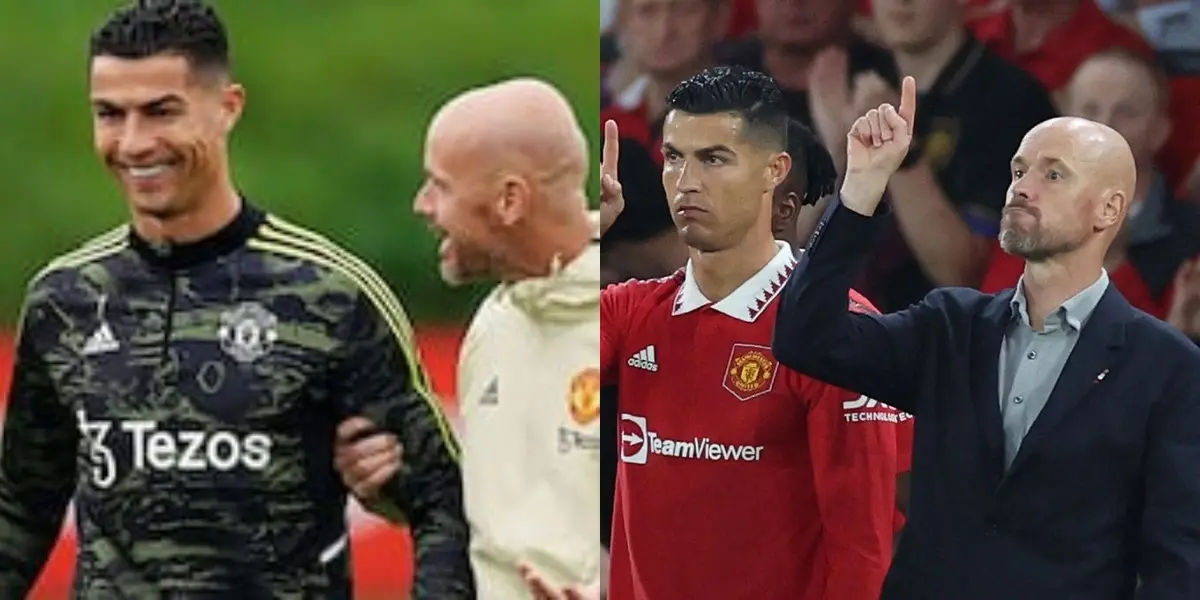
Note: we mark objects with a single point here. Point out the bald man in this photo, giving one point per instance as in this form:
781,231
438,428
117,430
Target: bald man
1058,429
505,191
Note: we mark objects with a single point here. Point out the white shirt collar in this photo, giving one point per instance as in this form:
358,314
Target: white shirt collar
747,302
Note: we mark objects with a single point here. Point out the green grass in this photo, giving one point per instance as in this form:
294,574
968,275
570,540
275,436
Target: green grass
339,95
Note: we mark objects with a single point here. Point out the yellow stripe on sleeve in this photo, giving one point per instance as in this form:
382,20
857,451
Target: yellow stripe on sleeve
301,244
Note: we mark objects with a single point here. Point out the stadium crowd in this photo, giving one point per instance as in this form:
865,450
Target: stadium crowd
988,71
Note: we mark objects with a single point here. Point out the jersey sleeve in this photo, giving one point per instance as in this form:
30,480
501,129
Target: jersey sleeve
854,472
37,457
379,376
614,310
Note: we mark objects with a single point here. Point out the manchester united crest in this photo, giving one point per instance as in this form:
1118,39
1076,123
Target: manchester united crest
583,398
750,372
248,332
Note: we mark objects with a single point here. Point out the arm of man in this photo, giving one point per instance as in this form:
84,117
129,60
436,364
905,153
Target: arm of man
380,378
37,459
614,304
853,450
816,334
1170,555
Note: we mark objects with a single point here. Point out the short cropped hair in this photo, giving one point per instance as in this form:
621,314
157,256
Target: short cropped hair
751,95
813,175
144,28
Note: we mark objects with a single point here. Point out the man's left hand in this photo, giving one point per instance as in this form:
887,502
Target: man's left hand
612,200
875,147
542,590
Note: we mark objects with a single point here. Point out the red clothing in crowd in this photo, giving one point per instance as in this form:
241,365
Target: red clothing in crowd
1087,32
1065,47
738,478
864,6
743,19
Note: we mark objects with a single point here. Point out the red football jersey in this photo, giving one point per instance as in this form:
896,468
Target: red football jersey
738,478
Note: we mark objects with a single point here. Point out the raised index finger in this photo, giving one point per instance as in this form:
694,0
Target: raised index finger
612,147
908,102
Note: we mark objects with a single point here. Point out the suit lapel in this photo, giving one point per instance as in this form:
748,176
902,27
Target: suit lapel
1095,351
985,350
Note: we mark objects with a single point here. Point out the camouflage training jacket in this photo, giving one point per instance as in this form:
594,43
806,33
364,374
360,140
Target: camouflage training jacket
186,398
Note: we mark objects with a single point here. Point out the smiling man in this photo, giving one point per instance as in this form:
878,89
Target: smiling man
181,378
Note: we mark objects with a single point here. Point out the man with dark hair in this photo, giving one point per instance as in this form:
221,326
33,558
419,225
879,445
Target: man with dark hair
800,475
181,377
812,178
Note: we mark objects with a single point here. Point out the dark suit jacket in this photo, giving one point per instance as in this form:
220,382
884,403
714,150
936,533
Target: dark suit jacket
1107,483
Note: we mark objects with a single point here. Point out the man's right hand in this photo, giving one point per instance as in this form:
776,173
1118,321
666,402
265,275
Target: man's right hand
540,589
875,147
612,201
365,457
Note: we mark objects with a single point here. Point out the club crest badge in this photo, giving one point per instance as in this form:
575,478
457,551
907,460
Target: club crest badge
248,332
750,372
583,398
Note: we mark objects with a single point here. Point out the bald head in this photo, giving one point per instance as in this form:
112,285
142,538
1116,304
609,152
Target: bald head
1073,180
505,182
520,128
1097,151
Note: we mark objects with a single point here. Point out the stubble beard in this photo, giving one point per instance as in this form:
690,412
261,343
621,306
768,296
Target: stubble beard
1035,246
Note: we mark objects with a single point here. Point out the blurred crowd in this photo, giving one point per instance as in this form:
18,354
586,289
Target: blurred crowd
987,72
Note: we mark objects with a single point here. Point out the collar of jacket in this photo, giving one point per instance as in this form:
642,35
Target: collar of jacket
181,256
570,293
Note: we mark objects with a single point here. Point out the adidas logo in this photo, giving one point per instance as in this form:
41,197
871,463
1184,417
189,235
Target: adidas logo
491,394
101,341
644,360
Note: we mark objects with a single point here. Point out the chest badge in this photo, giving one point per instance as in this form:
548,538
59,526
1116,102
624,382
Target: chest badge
583,398
750,372
248,332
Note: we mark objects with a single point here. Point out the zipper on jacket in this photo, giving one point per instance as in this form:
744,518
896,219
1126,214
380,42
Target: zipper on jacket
172,288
